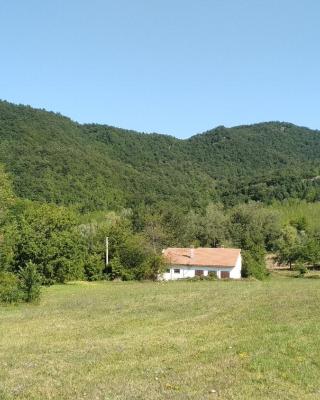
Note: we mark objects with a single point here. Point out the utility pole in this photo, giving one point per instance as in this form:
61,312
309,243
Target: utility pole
107,251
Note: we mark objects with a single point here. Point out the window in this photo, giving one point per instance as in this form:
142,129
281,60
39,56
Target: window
225,274
176,270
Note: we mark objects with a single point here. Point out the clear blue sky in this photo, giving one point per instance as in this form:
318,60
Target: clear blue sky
171,66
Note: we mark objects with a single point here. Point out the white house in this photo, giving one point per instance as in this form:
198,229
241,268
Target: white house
190,262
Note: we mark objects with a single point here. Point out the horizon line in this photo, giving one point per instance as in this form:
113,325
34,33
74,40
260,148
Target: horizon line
220,126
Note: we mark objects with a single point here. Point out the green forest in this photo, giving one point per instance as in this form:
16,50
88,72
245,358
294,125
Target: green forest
65,187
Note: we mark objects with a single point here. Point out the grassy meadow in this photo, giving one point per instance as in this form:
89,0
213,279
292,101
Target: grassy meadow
175,340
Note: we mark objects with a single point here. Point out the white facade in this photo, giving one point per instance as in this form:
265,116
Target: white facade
189,271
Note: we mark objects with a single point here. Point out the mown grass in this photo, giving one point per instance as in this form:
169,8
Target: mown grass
175,340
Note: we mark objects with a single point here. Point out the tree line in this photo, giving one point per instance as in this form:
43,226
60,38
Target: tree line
46,243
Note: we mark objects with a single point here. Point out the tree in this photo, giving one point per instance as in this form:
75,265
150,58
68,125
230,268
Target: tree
213,226
310,251
7,197
288,247
117,270
253,225
30,282
250,230
9,288
7,227
48,236
154,266
300,223
254,263
154,231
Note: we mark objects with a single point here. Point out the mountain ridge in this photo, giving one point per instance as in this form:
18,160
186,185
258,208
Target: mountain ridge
54,159
154,133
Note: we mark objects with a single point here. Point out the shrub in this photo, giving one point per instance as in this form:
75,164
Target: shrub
30,282
9,288
301,268
254,265
93,268
154,266
118,271
212,276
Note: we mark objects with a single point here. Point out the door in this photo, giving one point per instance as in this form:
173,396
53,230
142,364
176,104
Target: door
224,274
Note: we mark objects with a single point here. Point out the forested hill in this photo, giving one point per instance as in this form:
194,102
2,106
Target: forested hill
53,159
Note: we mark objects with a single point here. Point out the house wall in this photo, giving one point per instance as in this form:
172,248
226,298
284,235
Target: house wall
189,272
235,273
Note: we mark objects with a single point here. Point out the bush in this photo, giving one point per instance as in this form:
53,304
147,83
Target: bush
93,268
154,266
9,288
301,268
212,276
30,282
254,265
118,271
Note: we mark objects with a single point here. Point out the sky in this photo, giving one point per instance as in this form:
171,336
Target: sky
177,67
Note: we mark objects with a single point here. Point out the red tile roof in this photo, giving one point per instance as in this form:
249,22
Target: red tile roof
202,256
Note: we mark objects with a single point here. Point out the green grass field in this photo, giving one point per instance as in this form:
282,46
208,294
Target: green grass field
176,340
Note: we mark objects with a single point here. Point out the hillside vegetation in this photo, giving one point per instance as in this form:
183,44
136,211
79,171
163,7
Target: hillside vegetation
295,210
65,187
53,159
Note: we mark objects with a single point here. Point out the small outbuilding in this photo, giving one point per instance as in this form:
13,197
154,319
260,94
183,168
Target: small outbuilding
190,262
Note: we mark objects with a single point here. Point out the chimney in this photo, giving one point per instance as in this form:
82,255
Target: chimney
191,252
